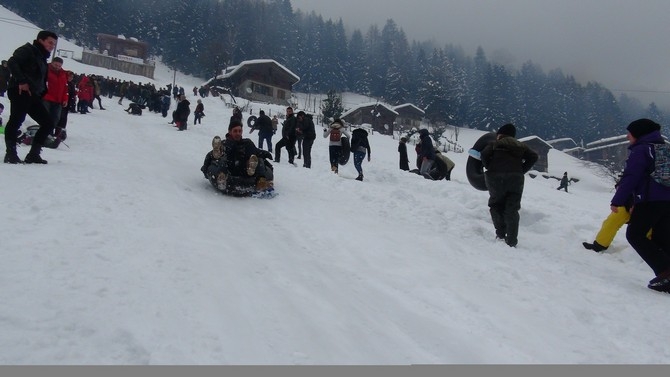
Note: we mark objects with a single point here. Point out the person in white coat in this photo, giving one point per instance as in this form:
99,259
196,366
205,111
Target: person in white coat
335,132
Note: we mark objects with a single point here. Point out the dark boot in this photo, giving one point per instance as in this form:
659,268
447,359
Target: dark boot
33,157
11,157
595,246
360,177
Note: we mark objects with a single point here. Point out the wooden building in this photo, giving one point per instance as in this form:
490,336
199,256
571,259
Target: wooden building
542,148
409,116
379,116
120,54
121,47
260,80
611,152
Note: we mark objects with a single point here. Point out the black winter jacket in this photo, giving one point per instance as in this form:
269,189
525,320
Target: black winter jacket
183,111
508,155
28,65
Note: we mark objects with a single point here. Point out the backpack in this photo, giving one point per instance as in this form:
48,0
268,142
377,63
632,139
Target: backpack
661,172
335,134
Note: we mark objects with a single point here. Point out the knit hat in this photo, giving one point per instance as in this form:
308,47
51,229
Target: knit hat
508,130
337,123
642,127
234,123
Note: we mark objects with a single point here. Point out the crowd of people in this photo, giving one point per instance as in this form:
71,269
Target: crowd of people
47,92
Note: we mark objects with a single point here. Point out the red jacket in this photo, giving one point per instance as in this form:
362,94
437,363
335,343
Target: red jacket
56,87
85,89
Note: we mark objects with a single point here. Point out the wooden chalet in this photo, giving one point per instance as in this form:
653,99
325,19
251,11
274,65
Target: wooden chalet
120,54
379,116
260,80
112,45
409,116
610,152
542,148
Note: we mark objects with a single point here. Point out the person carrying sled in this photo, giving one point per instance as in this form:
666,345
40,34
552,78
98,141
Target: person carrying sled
506,160
334,133
564,182
651,201
236,167
359,146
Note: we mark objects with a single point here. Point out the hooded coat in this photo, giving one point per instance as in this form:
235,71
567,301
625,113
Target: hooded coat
636,181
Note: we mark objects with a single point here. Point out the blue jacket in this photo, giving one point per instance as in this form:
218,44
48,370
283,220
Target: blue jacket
636,181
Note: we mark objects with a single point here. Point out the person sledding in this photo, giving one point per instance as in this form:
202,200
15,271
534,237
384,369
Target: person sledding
236,167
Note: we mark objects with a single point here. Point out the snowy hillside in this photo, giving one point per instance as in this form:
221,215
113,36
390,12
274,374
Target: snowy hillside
119,252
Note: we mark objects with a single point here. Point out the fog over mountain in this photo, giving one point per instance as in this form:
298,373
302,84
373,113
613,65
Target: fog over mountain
618,43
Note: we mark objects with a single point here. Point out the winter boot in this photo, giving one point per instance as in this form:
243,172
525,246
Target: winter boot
252,164
595,246
33,157
11,157
360,177
661,282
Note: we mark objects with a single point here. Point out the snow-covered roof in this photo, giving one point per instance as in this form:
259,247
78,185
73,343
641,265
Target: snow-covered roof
408,105
608,141
534,137
231,70
368,104
560,140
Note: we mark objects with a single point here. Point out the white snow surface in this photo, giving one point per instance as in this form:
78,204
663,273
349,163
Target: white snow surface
120,252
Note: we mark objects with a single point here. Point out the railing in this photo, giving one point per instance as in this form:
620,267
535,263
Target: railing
111,62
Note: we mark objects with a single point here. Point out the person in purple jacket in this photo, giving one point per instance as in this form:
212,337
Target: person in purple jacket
651,202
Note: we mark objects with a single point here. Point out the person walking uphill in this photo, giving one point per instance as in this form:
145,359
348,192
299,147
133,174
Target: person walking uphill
651,201
506,161
27,86
564,182
305,127
334,133
359,146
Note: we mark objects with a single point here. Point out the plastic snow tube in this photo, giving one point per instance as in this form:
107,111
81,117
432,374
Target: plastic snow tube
251,121
474,169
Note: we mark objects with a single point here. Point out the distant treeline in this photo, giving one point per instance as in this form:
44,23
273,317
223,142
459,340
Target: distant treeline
201,37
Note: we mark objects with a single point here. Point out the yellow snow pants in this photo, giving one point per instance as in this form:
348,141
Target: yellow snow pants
611,226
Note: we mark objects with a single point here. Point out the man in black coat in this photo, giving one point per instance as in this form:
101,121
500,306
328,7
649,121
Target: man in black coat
244,168
305,126
264,126
288,137
27,86
506,161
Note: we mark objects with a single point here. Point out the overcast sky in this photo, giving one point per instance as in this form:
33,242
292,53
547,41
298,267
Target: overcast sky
622,44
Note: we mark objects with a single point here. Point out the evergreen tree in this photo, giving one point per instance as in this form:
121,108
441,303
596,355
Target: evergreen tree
331,107
358,79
